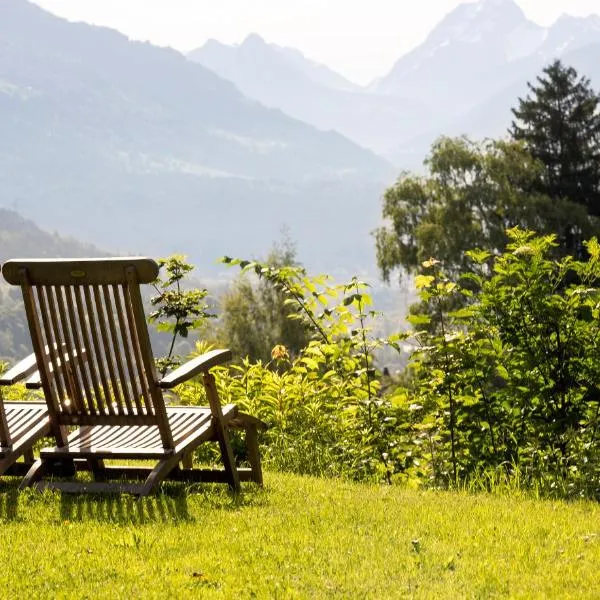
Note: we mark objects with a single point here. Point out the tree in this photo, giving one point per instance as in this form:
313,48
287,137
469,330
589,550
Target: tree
255,317
559,123
473,193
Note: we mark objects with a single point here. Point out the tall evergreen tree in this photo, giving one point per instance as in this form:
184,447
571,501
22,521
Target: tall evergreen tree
559,122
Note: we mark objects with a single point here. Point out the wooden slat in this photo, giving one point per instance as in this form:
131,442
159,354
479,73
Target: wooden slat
83,435
129,353
48,310
20,371
184,421
122,437
93,487
83,419
5,437
25,427
108,353
146,378
84,322
99,452
187,475
110,437
43,360
95,318
244,420
35,381
110,317
22,420
24,444
82,371
72,381
19,413
199,364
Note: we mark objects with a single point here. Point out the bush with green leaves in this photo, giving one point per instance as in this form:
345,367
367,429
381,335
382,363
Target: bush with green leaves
504,383
511,380
178,310
324,406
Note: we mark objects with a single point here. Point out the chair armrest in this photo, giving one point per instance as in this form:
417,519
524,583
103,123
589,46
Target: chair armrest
190,369
20,371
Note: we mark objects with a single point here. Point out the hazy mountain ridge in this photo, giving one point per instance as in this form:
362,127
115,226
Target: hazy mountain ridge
143,94
283,78
485,35
22,238
492,116
477,62
463,79
138,150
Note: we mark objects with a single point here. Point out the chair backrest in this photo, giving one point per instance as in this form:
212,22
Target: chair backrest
91,342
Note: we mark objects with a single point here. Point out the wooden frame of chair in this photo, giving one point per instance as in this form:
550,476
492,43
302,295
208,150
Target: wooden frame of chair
22,424
114,397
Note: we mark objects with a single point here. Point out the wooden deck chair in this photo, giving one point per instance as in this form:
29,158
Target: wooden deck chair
111,405
22,424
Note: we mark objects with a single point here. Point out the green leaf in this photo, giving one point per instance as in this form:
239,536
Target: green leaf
424,281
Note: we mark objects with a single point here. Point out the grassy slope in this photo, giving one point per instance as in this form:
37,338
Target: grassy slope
299,537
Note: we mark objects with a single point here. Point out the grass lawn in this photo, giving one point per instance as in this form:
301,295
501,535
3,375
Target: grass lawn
297,538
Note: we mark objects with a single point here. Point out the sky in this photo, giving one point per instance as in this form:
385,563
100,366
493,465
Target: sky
361,39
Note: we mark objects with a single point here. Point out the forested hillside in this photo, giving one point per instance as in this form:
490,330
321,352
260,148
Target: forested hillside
21,238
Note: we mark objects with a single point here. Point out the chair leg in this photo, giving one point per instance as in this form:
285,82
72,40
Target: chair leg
97,467
221,432
253,453
159,473
38,470
28,456
233,478
5,464
187,461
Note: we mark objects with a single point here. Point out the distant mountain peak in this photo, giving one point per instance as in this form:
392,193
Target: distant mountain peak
470,21
236,63
253,40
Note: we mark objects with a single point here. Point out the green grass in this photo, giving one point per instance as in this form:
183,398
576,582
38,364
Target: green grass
297,538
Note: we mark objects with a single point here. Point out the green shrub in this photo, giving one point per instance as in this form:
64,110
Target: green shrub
511,380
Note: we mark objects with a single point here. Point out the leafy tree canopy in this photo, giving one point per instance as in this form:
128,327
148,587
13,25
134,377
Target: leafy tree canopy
473,193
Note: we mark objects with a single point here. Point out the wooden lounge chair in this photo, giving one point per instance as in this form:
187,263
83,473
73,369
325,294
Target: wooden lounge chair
22,424
111,405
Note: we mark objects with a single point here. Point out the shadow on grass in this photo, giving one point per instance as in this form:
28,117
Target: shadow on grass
171,505
162,508
9,502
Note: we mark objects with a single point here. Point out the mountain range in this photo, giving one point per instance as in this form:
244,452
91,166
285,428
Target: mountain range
139,149
135,149
463,79
283,78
